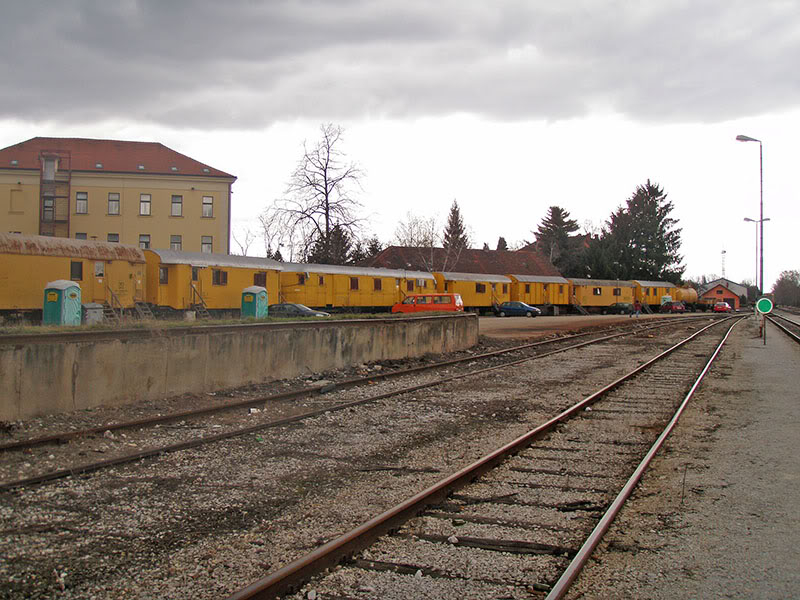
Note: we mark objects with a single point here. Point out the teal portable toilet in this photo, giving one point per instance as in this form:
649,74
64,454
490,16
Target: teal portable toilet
254,302
62,303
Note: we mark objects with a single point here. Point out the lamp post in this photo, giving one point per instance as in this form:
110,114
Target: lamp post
757,222
744,138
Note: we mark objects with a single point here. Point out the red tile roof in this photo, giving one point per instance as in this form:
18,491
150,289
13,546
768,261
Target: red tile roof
115,156
498,262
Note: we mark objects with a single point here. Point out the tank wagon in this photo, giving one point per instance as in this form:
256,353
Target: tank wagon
687,295
107,273
348,288
181,281
480,292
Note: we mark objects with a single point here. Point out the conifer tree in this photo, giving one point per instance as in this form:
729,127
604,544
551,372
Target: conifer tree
455,234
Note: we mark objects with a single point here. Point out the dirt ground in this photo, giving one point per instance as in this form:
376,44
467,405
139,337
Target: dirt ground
524,327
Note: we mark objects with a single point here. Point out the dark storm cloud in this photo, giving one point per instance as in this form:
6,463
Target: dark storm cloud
241,64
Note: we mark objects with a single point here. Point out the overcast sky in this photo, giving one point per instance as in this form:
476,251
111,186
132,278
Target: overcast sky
506,106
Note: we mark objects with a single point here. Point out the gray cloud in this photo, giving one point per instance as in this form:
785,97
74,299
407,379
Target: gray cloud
242,64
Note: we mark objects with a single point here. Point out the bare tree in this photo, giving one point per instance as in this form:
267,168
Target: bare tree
424,235
244,238
320,193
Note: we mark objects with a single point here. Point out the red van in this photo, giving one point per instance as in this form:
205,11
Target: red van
429,302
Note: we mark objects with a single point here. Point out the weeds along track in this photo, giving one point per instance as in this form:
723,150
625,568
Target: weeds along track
508,525
59,454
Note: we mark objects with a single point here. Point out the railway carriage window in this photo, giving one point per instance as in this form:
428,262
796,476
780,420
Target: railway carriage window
377,285
175,242
144,204
544,287
561,289
301,279
597,291
494,287
219,277
260,279
177,206
206,244
144,241
80,236
354,283
480,288
81,203
113,237
505,288
99,269
195,273
76,270
409,286
617,292
527,288
321,280
208,206
163,275
113,203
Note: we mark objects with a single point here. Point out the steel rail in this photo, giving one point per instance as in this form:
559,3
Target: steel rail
64,436
579,561
792,335
194,443
290,577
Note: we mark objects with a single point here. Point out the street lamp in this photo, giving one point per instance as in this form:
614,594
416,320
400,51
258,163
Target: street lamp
756,221
745,138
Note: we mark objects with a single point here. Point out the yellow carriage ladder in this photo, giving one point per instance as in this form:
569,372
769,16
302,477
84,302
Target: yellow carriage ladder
200,308
578,306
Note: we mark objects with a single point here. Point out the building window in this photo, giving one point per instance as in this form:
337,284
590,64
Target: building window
219,277
113,237
144,204
206,244
719,292
113,203
81,203
597,291
48,209
175,242
260,279
80,236
208,206
163,275
76,270
177,206
354,283
377,285
144,241
410,286
617,292
480,288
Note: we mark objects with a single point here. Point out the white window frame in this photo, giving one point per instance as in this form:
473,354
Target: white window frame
179,204
145,204
208,203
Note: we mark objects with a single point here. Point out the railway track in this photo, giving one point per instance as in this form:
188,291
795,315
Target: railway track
521,521
789,326
157,435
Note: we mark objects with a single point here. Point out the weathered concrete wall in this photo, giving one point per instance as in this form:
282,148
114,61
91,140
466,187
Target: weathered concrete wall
49,373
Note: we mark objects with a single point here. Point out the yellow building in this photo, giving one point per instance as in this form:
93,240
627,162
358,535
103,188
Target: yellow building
138,193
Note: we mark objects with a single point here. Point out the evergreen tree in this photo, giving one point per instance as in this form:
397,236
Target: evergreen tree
501,243
334,249
455,234
554,239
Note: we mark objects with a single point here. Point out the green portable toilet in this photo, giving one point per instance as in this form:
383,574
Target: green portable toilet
254,302
62,303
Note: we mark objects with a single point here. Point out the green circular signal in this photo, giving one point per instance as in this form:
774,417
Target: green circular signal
764,306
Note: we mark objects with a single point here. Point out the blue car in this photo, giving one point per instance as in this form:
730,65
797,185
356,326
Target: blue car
517,309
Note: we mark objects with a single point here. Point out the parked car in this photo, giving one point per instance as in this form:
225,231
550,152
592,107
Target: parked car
722,307
672,307
517,309
429,302
618,308
290,309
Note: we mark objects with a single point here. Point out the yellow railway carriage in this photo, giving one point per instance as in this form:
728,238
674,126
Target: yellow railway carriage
479,291
594,293
540,289
651,292
347,287
188,280
106,272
